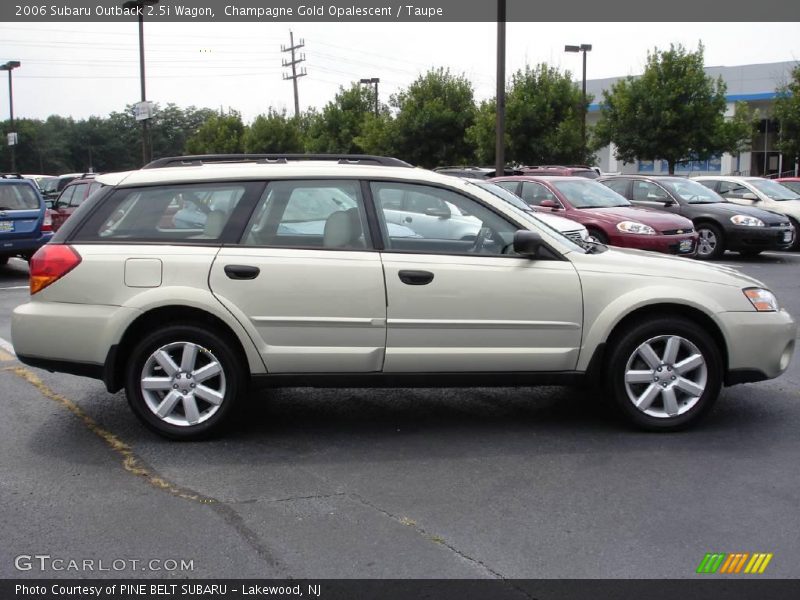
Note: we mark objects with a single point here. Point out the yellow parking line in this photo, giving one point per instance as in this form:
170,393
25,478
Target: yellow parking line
5,356
130,462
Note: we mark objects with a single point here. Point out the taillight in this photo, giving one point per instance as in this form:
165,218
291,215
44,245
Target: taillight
50,263
48,221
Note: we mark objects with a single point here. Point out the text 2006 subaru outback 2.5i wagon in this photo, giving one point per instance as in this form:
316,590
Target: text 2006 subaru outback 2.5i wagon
288,274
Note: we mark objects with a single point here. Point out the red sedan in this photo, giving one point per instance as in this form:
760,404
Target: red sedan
609,217
793,183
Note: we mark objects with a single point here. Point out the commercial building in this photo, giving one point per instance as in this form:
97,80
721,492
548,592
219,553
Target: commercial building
754,84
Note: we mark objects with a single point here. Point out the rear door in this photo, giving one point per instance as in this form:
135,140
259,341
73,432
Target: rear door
459,305
306,279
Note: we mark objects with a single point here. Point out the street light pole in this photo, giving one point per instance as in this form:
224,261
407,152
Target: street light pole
373,81
10,66
139,6
582,48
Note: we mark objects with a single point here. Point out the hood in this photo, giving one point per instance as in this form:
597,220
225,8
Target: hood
730,209
658,220
653,264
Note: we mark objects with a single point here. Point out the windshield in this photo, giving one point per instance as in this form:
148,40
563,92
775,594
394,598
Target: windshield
504,194
15,196
773,189
691,191
792,185
589,194
524,211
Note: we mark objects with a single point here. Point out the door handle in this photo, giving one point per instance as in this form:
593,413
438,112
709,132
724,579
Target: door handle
415,277
241,271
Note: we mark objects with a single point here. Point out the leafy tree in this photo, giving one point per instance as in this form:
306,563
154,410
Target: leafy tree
220,134
274,132
544,112
377,134
674,111
787,111
172,126
433,117
335,129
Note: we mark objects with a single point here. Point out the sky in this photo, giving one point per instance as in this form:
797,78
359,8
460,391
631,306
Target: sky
85,69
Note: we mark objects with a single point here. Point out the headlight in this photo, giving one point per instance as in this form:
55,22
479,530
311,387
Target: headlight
746,221
634,227
762,300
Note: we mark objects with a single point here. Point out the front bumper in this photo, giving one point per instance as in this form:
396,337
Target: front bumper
760,344
759,238
679,244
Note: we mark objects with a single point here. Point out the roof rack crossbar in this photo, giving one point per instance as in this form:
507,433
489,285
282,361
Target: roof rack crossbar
201,159
11,176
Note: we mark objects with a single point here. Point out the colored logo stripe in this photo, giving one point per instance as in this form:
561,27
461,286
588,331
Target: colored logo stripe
722,562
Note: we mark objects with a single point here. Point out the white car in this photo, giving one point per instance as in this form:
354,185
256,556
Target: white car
759,192
190,320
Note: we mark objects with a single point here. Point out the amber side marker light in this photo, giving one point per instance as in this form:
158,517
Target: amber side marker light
50,263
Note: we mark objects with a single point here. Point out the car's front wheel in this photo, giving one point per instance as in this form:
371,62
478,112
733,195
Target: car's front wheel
183,381
664,373
710,243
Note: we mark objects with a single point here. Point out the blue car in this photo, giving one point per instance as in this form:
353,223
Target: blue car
25,224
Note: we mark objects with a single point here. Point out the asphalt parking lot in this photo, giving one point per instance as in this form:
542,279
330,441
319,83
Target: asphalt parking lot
460,483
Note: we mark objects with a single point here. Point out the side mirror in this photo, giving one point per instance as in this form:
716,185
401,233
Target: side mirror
549,204
750,196
438,212
527,243
668,201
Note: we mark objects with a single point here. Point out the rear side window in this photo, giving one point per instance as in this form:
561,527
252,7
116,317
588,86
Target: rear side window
14,196
618,185
196,213
310,214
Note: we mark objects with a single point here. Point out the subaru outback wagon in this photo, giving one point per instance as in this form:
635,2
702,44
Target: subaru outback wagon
286,283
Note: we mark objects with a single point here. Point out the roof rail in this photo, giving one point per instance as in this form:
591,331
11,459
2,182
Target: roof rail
201,159
11,176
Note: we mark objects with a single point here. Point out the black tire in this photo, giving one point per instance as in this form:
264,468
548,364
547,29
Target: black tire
714,238
210,347
795,247
750,253
3,260
599,236
625,357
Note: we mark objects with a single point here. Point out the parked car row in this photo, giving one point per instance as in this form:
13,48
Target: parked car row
709,215
303,273
25,221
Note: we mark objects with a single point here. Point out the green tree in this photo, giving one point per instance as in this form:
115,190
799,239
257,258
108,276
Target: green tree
336,128
433,117
274,133
377,134
219,134
674,111
787,111
172,126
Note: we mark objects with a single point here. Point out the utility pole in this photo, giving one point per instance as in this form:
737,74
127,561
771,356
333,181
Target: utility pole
12,136
373,81
293,63
500,126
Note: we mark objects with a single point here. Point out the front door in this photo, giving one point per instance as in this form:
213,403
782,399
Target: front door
470,305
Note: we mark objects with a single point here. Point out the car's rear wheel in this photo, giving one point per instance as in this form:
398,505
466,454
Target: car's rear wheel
664,373
183,381
710,243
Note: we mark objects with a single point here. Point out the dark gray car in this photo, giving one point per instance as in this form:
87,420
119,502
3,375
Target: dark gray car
722,225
